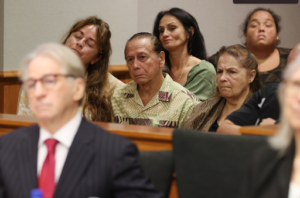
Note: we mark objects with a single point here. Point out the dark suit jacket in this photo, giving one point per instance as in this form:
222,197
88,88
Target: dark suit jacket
98,164
269,174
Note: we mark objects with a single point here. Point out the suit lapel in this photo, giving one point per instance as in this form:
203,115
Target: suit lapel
27,159
285,171
79,158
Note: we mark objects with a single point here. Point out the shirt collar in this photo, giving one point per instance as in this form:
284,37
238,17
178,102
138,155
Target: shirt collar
165,91
65,134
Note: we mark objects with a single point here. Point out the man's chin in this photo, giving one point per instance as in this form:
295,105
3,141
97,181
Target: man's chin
42,115
142,81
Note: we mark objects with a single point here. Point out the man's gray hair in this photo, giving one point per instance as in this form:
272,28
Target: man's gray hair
69,61
285,134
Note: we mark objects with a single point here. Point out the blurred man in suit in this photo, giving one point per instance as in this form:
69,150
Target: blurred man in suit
64,155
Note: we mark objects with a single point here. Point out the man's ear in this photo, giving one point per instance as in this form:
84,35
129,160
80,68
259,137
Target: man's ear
78,89
161,58
252,75
96,59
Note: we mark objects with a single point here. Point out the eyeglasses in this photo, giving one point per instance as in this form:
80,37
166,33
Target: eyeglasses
292,87
48,81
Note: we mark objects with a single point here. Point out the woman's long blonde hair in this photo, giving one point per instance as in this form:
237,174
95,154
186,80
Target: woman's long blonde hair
97,97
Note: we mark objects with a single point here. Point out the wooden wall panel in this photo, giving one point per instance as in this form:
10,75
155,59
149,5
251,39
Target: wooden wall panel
11,94
10,87
1,92
121,73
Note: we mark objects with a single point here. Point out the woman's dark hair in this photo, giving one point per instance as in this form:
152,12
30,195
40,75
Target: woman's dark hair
196,45
97,94
276,18
246,59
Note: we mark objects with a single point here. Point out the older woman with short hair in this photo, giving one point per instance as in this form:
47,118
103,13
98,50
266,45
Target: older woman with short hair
237,80
275,169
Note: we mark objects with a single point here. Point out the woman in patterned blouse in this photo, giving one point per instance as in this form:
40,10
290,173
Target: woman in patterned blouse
90,40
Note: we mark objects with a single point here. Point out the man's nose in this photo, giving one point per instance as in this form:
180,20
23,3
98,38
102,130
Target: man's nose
39,90
135,64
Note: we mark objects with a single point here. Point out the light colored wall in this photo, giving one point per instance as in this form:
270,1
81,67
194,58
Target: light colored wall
28,23
219,20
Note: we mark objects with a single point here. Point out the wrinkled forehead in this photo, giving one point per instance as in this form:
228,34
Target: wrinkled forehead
227,61
42,65
138,45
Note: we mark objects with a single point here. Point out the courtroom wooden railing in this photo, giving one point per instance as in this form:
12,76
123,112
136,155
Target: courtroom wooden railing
146,138
259,130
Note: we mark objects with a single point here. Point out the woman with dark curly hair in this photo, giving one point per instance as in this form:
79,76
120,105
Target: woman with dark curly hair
261,32
185,51
90,40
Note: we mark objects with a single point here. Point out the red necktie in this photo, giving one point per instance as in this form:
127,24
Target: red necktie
47,176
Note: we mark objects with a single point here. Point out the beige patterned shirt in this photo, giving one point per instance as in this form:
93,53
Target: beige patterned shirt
170,107
23,102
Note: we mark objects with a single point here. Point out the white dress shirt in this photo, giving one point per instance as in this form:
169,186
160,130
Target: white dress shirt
294,190
64,136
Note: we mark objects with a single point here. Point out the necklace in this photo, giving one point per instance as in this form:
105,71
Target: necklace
184,68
